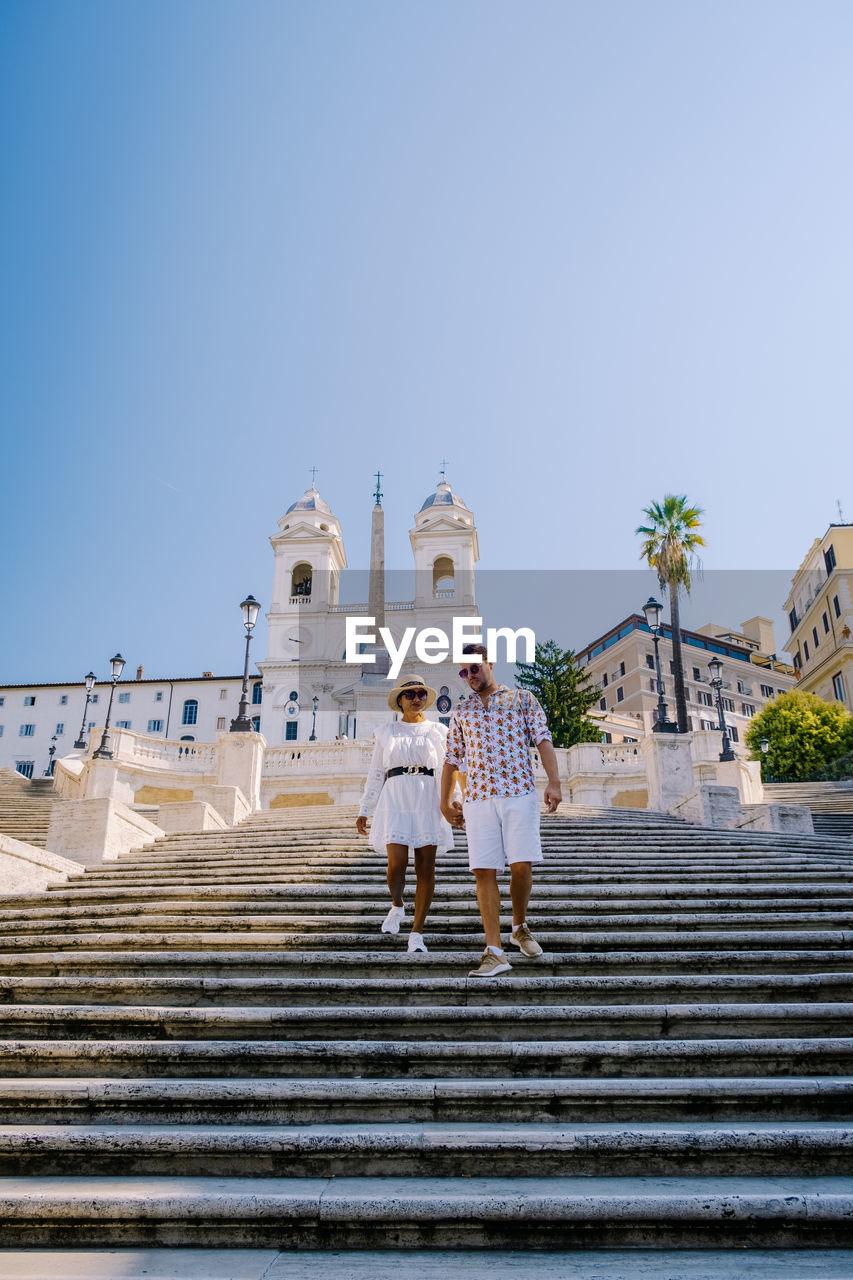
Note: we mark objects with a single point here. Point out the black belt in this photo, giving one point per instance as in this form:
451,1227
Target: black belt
411,768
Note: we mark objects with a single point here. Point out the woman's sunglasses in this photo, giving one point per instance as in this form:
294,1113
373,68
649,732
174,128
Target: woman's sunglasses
414,693
473,670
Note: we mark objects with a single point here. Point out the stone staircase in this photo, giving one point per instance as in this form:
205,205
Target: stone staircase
831,804
25,807
210,1043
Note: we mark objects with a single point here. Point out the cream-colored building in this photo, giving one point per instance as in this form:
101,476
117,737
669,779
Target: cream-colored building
820,614
622,664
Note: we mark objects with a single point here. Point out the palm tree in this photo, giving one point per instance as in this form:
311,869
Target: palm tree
669,541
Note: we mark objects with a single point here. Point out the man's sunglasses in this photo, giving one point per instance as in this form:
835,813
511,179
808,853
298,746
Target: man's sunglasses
473,670
414,693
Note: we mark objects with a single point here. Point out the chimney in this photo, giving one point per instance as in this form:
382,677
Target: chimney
139,673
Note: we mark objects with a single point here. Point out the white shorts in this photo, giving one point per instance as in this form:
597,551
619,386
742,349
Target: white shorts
502,829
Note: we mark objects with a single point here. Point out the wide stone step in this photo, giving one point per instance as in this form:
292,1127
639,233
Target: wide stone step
432,1022
448,895
463,922
519,987
429,1149
307,1101
401,1059
395,963
513,1213
581,940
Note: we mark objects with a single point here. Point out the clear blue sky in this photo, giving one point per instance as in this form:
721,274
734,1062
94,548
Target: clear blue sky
587,252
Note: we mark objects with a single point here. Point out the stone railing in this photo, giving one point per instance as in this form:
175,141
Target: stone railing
320,758
170,755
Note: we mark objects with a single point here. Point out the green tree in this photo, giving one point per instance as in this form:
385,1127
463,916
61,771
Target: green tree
669,542
565,691
804,732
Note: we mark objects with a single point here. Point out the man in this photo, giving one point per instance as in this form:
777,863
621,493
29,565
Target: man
489,740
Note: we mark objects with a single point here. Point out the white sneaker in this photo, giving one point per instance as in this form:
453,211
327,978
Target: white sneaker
393,920
416,942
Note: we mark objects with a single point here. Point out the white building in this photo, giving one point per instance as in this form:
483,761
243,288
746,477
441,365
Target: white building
305,651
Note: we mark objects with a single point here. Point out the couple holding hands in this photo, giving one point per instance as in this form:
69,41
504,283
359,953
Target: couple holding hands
409,792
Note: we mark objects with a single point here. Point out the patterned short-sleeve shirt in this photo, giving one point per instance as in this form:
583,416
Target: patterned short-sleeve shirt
491,744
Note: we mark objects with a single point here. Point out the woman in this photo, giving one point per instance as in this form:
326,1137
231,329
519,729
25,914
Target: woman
402,795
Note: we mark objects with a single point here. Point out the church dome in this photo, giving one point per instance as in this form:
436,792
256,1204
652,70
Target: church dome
310,501
443,497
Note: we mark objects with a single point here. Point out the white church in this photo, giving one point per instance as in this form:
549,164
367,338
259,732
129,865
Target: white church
306,691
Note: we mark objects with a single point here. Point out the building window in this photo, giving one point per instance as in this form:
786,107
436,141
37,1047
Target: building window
793,620
836,606
708,724
158,696
155,726
697,674
223,694
257,693
747,709
256,723
187,737
825,623
650,660
767,691
60,729
190,712
706,698
2,702
602,704
25,767
30,700
291,730
814,636
604,681
27,731
220,723
124,697
122,724
620,694
63,700
806,649
829,558
733,734
1,731
728,705
652,684
94,698
798,662
838,687
621,668
91,726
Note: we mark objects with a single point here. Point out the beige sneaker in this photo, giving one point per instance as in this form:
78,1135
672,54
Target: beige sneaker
525,941
491,965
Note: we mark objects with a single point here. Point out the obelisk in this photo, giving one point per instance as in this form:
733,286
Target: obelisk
376,588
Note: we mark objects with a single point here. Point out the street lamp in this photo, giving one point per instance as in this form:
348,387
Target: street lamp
764,743
81,737
243,724
104,751
653,610
315,702
715,667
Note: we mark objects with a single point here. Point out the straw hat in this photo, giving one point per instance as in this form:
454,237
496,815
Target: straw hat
411,684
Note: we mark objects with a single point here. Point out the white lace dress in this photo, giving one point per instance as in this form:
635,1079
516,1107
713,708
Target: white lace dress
405,809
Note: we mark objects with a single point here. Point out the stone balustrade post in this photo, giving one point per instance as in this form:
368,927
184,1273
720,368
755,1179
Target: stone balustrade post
240,763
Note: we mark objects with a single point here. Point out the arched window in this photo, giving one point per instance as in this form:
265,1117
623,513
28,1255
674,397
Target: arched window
257,692
443,575
190,715
300,580
187,737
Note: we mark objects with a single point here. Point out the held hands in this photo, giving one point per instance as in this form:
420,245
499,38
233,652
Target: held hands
553,796
361,826
453,814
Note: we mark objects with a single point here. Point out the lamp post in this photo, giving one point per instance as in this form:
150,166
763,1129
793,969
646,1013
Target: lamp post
81,737
104,751
250,609
653,610
715,666
315,702
765,747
